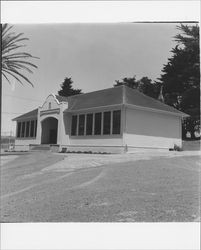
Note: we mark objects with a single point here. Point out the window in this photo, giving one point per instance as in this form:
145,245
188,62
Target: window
89,125
27,128
35,131
81,125
19,124
97,128
116,122
32,129
49,105
111,123
106,122
23,129
74,125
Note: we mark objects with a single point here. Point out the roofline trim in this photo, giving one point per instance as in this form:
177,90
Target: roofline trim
80,110
25,119
181,114
54,96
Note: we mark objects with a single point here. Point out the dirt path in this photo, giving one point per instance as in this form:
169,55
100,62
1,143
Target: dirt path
81,188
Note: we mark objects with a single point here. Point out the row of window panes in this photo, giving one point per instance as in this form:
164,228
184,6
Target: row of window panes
95,121
27,129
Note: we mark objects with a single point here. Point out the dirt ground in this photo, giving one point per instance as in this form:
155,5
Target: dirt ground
147,186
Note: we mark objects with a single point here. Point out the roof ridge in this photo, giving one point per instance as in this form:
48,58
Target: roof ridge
95,91
154,100
123,94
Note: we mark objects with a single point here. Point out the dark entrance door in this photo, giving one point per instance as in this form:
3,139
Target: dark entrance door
53,136
49,131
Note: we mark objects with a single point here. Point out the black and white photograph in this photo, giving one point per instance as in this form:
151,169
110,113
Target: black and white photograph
100,122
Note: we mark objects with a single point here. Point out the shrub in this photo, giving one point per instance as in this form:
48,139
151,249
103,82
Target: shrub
177,148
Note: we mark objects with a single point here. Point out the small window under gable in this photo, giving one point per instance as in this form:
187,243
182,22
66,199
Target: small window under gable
49,105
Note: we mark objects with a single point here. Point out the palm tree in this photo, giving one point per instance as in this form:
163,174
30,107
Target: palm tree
13,61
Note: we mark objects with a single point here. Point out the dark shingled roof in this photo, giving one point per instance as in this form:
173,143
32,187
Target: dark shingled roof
121,95
114,96
137,98
105,97
30,115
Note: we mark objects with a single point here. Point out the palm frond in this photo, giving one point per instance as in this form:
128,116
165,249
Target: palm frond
23,62
5,28
14,61
6,77
22,76
18,54
18,66
8,72
13,47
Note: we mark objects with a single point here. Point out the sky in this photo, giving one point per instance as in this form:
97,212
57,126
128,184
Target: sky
93,55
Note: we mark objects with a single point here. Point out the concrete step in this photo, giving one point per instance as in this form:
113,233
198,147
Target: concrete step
39,147
44,147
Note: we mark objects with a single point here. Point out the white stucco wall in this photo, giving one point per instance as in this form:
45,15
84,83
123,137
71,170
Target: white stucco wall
56,111
23,144
97,141
50,99
139,128
92,140
151,129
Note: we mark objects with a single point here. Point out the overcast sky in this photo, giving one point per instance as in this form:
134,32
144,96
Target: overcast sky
94,55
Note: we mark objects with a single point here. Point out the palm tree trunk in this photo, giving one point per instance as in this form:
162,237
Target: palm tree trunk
1,81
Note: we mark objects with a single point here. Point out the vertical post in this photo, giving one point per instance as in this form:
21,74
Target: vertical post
29,128
111,122
85,124
102,123
21,130
1,81
25,128
77,125
35,125
93,123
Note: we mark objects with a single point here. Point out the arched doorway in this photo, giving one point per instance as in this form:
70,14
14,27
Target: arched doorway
49,128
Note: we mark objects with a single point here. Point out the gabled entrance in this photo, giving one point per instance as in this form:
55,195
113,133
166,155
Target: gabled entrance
49,128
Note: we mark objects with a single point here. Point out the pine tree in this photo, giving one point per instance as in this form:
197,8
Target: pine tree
181,77
67,88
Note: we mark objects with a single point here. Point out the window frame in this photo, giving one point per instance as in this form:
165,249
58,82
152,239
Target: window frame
76,125
82,125
93,123
101,118
113,122
107,124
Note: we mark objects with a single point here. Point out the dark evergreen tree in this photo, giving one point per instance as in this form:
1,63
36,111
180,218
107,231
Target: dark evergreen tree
128,81
144,85
181,77
147,87
67,88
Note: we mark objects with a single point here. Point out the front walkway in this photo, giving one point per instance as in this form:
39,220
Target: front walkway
78,161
